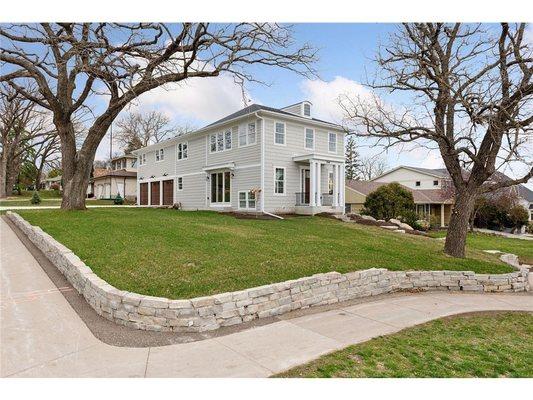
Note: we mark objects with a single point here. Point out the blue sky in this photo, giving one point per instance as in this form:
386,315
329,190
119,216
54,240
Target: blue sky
345,58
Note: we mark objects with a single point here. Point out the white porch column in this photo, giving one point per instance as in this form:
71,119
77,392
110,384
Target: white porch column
138,193
312,184
442,215
335,185
341,186
149,193
160,193
318,184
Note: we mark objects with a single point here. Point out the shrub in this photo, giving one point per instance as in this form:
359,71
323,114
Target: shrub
35,199
518,217
54,186
389,201
529,228
119,200
409,217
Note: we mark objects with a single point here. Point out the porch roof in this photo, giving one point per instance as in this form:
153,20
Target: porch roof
328,158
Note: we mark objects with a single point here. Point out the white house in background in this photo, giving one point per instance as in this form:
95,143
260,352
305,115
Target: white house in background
121,179
258,159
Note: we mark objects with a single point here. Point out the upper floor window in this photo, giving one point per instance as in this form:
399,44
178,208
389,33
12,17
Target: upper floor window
247,135
309,138
435,183
417,183
279,133
220,141
142,159
307,110
133,162
332,142
160,155
183,150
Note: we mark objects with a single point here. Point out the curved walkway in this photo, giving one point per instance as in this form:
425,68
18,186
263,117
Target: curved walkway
42,335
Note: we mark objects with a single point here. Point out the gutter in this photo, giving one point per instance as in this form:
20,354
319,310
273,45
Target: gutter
263,141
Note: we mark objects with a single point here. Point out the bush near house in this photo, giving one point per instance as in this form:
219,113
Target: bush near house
118,200
500,212
35,199
391,201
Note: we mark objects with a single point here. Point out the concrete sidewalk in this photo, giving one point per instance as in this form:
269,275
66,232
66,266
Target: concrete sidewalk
42,336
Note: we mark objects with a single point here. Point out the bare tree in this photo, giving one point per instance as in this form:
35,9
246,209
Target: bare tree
470,99
136,130
72,63
371,167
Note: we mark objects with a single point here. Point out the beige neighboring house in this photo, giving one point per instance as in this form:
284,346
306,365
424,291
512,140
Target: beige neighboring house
120,179
432,189
48,182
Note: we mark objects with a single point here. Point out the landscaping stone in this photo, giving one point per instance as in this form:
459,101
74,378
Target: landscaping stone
211,312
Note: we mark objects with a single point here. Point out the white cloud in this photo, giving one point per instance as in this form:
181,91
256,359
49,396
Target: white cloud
325,96
202,100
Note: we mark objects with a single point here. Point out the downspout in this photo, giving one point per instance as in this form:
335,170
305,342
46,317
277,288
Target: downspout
263,141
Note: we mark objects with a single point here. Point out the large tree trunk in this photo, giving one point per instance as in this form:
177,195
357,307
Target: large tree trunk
3,176
458,228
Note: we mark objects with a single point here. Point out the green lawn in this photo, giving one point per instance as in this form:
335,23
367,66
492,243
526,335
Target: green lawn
476,345
183,254
25,201
482,241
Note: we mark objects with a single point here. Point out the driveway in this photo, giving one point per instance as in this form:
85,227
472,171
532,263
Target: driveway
42,335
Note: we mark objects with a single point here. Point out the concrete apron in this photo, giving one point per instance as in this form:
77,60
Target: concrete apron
42,336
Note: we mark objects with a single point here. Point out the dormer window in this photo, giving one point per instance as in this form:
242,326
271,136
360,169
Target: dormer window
307,110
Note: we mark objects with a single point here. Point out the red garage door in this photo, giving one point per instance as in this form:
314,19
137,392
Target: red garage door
168,192
154,195
143,196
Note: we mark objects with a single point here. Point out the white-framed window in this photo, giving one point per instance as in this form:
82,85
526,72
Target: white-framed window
160,155
279,133
309,139
220,187
220,141
142,159
247,135
307,110
279,180
332,142
179,183
435,183
183,150
247,200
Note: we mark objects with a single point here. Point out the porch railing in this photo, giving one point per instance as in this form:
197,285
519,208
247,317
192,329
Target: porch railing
302,199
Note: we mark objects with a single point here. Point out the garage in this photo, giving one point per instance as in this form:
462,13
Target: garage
168,192
143,198
154,195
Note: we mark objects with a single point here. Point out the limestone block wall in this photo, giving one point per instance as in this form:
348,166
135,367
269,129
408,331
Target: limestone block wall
212,312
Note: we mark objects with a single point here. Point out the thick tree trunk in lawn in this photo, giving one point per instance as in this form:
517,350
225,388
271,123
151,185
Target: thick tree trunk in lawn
3,177
458,227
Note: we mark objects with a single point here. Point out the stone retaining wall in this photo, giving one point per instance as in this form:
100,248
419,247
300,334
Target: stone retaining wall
211,312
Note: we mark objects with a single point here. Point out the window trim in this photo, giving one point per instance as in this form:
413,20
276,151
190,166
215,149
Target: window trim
305,138
142,159
284,181
336,141
246,134
247,200
158,153
223,203
178,183
284,133
223,132
178,151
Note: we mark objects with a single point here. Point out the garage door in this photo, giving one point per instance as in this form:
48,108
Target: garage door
144,194
154,195
168,192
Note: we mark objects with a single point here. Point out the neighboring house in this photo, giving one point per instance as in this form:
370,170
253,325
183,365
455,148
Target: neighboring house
120,179
258,159
48,182
432,189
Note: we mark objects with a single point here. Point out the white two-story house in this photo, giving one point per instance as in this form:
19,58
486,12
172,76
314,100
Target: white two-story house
259,159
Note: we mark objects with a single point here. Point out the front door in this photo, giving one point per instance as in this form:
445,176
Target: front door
168,192
144,194
306,185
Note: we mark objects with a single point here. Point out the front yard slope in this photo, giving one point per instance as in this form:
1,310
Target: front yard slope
175,254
